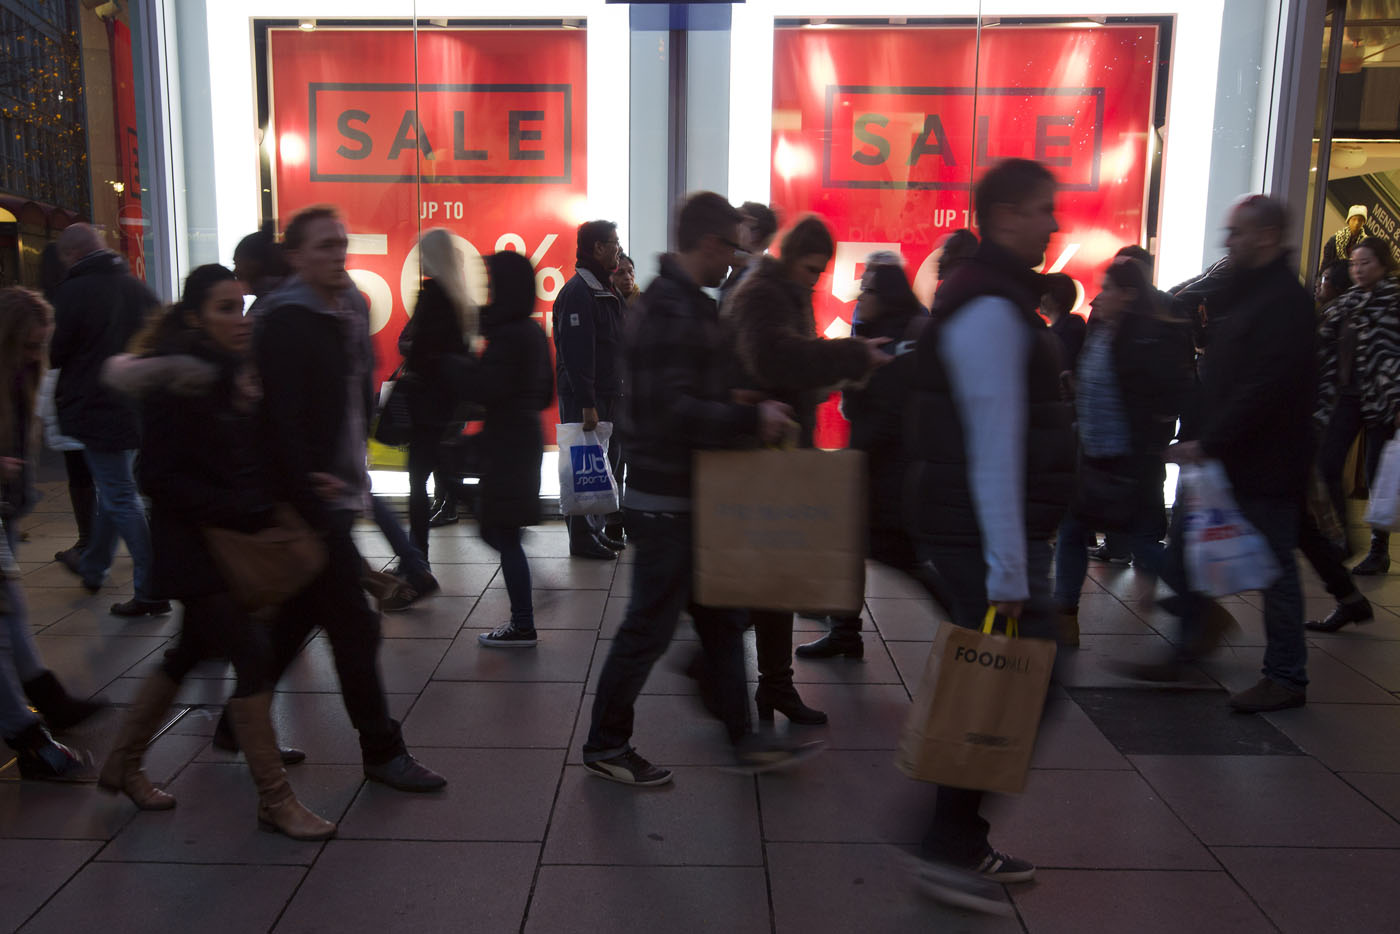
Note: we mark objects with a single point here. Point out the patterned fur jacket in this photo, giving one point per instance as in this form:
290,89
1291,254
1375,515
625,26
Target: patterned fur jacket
1377,366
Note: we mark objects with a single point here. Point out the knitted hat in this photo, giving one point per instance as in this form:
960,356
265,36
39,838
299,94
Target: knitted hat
1357,209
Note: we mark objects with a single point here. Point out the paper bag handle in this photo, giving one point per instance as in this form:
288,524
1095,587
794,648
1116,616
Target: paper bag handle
989,624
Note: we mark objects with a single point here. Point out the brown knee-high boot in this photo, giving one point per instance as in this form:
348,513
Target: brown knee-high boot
122,770
772,633
278,807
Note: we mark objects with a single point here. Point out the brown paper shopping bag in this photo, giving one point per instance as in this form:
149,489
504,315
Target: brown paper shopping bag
780,530
977,712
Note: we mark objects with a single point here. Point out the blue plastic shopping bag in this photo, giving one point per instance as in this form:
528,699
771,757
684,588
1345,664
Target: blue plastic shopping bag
586,483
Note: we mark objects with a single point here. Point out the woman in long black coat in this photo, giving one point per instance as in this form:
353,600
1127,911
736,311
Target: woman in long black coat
514,381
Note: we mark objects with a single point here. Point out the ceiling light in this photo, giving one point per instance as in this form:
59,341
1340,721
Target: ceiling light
306,24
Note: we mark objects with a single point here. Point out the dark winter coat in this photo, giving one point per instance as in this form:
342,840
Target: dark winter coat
588,318
1258,379
98,308
1375,313
777,349
203,463
432,335
513,381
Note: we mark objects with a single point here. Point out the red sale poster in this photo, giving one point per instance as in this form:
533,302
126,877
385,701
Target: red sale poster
489,142
882,132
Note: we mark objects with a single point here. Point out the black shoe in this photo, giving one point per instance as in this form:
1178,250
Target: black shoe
41,758
135,607
833,645
617,532
1103,553
592,548
629,769
1373,565
70,558
225,740
508,637
444,515
783,697
1358,611
405,773
1266,696
616,544
59,709
998,867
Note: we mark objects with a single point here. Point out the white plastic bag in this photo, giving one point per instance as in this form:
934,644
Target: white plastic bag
586,483
1383,509
1224,553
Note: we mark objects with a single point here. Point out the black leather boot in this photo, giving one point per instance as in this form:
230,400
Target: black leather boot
59,709
773,641
1351,611
843,641
227,740
1377,560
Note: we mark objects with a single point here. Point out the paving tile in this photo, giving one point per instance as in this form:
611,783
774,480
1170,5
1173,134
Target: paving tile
99,621
216,820
193,692
394,885
234,899
903,618
1330,681
1104,613
1141,902
37,869
875,668
910,659
861,716
405,665
1378,661
464,580
1304,891
671,730
1068,739
567,574
86,664
1345,737
50,604
541,544
1266,801
705,818
1095,820
636,899
1152,722
554,609
491,794
860,887
435,617
477,714
1381,788
1090,664
860,796
463,549
562,655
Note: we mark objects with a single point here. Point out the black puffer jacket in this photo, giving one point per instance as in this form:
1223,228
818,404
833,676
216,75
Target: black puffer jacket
98,308
432,335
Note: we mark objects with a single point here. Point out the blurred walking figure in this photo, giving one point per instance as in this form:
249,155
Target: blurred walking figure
204,464
1070,329
756,232
25,325
1342,242
992,450
1359,343
958,247
778,354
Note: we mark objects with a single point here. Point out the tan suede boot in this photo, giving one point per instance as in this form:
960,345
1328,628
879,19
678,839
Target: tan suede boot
122,770
278,807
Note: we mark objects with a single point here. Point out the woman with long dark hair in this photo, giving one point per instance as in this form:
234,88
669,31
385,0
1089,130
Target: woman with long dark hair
203,465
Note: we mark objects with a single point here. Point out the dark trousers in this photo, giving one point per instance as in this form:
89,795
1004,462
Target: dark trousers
81,494
335,602
424,458
581,528
516,571
1337,437
958,832
661,588
215,625
1324,558
772,637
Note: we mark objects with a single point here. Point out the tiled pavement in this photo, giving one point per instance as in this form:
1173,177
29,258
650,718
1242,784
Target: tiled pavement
1147,810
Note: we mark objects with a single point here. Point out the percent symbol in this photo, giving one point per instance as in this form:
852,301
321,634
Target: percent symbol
548,279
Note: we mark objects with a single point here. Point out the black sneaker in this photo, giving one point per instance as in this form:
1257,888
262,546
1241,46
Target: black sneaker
629,769
508,637
998,867
961,888
135,607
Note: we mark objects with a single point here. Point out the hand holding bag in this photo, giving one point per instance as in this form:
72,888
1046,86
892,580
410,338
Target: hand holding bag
586,483
269,566
393,425
1224,554
977,712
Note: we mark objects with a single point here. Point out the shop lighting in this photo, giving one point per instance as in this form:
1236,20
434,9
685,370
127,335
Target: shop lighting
306,24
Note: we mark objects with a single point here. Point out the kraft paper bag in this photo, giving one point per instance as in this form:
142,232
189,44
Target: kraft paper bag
780,530
977,712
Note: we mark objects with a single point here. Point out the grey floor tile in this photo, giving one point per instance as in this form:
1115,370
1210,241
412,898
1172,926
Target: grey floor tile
99,621
1381,788
554,609
705,818
395,885
464,549
405,665
1142,902
1266,801
216,819
492,794
435,617
86,664
902,618
671,730
546,544
1345,737
37,869
1330,681
1104,613
875,668
1094,820
464,580
233,899
860,887
1305,891
910,659
477,714
1090,665
860,796
1157,722
194,692
1378,661
1068,739
640,899
861,716
562,655
568,574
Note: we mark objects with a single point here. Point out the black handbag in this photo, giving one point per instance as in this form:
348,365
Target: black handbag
394,423
1105,494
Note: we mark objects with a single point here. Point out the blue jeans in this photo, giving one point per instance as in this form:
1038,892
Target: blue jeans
19,658
660,590
119,511
412,561
516,571
1072,558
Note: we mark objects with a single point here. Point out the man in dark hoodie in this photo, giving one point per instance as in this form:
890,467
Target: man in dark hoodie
98,308
314,355
588,345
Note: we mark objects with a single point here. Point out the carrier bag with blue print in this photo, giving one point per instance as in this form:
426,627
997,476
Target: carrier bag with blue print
586,483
